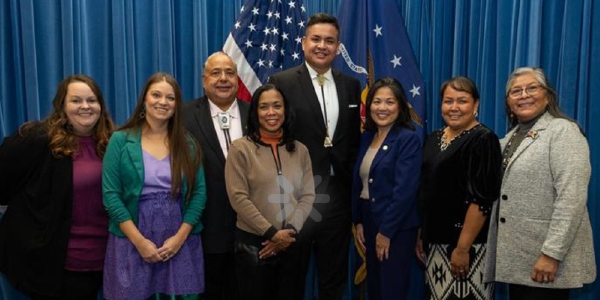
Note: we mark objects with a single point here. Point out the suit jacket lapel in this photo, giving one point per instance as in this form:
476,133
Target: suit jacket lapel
205,123
310,95
243,116
532,136
385,147
134,148
342,105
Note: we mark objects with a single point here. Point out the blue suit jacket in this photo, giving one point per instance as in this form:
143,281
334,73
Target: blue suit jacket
393,181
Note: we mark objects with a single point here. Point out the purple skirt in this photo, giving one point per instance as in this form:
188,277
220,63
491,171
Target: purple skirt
127,276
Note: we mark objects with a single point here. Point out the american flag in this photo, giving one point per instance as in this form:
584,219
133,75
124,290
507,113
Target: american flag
265,39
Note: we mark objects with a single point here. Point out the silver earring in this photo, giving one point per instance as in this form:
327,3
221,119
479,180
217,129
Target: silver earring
476,114
143,113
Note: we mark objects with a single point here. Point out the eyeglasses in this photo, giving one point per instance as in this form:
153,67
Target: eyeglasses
217,73
531,90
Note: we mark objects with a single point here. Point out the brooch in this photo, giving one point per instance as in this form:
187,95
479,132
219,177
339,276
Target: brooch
532,134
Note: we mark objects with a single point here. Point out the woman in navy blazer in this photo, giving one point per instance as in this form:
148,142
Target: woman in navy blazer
384,190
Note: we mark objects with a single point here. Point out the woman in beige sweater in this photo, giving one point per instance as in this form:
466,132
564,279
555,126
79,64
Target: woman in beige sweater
270,186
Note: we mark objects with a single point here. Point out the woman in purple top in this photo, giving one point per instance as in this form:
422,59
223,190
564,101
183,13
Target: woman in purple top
154,192
53,235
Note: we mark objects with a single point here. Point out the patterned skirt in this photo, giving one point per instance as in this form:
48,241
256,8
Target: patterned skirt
127,276
441,285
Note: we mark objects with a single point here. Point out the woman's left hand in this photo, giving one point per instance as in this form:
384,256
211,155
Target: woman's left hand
382,245
170,247
544,270
269,249
459,263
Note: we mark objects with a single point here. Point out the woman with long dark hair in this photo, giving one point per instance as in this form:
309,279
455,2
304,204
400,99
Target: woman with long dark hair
154,192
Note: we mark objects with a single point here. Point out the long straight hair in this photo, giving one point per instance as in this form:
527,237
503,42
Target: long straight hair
184,161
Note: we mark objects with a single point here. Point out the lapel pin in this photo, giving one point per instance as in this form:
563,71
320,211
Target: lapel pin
385,147
532,134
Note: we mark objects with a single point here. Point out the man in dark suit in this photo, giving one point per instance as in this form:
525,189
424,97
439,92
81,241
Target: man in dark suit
215,120
328,123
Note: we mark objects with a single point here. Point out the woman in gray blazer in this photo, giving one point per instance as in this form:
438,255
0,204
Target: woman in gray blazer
540,238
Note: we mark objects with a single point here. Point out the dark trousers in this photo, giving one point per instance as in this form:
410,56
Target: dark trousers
329,238
388,279
275,277
77,286
219,277
522,292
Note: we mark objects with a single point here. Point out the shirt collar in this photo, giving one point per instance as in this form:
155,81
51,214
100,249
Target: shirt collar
313,74
233,110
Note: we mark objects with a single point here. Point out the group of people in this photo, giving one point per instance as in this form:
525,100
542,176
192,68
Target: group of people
511,210
217,198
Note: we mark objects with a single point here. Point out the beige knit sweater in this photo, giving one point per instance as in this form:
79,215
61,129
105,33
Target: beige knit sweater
259,195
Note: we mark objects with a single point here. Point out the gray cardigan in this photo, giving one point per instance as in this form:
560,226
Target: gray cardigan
543,208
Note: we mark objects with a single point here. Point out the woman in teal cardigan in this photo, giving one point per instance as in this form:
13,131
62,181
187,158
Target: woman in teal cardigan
154,192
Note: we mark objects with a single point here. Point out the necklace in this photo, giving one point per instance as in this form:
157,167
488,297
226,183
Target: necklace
505,154
444,145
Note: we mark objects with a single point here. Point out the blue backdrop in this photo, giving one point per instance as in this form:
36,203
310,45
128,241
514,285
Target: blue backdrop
121,42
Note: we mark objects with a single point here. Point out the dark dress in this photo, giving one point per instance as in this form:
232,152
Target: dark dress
467,171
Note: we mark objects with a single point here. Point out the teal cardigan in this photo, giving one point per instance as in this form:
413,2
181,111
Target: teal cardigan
123,180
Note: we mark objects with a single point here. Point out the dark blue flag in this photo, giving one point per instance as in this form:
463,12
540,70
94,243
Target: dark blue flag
375,45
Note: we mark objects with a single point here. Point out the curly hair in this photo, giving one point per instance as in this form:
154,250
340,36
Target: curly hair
63,141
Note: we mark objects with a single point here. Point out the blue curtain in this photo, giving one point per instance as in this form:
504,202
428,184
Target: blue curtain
486,40
121,42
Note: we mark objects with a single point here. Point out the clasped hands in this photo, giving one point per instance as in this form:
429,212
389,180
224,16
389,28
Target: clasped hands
151,254
279,242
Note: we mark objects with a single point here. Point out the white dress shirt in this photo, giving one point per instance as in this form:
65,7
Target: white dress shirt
235,131
331,98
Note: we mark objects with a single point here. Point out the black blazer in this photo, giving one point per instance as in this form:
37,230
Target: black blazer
34,231
309,126
218,217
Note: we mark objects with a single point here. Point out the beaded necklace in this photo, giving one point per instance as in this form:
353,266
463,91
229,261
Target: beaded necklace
444,145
